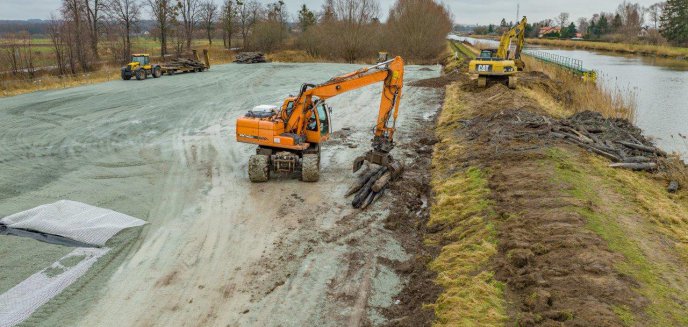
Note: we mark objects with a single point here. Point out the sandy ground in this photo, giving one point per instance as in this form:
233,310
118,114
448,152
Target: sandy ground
219,251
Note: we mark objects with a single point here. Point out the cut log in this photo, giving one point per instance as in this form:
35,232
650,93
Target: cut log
640,147
362,181
635,166
382,181
637,159
363,193
603,153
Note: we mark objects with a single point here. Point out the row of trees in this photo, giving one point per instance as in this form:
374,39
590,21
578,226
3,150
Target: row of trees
631,22
84,34
350,29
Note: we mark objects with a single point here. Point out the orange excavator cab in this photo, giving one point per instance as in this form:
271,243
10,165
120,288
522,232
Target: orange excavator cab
289,137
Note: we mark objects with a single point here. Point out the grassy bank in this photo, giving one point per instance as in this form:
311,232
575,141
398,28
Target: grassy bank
536,232
636,49
463,213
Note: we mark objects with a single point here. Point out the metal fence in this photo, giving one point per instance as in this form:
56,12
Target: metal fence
570,63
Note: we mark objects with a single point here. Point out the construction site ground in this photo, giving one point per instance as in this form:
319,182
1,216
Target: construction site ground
535,231
217,249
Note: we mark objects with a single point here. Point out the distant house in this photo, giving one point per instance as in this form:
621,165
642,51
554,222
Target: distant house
549,30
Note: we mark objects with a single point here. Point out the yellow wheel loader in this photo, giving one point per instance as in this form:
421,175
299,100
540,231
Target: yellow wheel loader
140,67
500,64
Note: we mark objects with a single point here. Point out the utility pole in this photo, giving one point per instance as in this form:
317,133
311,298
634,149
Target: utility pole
518,13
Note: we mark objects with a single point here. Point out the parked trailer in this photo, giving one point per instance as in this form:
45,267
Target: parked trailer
187,65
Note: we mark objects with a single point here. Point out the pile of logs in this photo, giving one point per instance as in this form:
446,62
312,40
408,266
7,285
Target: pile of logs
372,183
185,62
249,58
614,139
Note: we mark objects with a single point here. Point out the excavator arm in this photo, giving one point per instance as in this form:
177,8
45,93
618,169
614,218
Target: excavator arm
518,32
390,72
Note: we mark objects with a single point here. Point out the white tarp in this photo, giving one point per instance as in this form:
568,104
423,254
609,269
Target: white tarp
19,302
75,220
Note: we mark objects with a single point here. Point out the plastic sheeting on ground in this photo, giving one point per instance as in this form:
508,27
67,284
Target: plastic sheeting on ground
75,220
19,302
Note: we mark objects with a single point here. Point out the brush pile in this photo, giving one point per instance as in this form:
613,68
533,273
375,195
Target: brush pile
249,58
371,184
615,139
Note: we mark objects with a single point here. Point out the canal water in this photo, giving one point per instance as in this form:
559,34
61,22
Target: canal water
660,87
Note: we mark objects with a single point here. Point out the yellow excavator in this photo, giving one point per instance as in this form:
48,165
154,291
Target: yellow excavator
500,64
288,138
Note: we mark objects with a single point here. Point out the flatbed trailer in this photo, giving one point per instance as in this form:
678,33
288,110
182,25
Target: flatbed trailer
186,65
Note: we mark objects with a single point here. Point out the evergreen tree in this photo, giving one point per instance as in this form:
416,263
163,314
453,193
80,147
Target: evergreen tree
602,26
674,21
617,23
569,32
306,18
503,23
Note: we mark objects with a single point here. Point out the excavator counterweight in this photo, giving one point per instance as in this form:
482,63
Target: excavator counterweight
289,137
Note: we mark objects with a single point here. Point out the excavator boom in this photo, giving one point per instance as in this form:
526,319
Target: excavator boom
297,129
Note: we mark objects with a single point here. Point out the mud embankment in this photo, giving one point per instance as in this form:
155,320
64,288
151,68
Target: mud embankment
532,230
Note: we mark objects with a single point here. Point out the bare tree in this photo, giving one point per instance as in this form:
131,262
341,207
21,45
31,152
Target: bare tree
563,19
655,13
93,15
73,13
418,29
228,17
583,25
208,16
54,30
127,14
163,12
189,14
248,13
353,29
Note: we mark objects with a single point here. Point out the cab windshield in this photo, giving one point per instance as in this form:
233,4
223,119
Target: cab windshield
142,60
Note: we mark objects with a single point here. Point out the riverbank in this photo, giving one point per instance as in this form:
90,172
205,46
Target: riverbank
635,49
534,231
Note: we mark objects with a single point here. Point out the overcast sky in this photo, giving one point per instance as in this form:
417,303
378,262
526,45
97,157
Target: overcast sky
465,11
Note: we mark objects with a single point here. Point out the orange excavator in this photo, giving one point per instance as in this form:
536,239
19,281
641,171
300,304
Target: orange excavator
289,138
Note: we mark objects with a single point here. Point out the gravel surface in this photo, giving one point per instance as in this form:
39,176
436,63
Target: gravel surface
218,250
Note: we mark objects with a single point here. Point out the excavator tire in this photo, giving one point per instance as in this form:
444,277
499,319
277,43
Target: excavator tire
482,81
310,167
258,168
512,82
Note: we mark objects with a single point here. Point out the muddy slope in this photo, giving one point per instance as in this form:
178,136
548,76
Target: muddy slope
556,270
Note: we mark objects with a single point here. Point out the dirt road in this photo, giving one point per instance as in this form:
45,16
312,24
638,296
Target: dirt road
218,250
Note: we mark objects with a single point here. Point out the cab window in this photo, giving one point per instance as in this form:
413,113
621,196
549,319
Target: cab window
141,60
290,108
322,116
